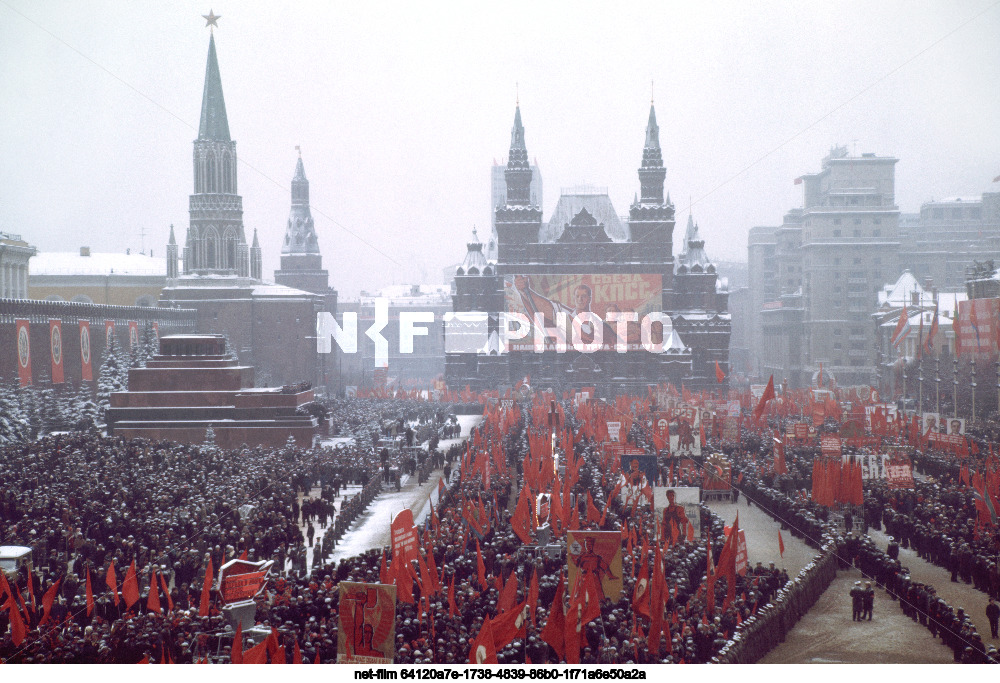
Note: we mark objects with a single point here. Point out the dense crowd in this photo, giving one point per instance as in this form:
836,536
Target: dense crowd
82,502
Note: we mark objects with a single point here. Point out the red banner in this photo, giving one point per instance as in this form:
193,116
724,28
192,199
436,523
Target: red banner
133,333
87,372
23,352
55,349
404,537
899,475
801,431
976,331
741,554
594,560
242,580
830,445
109,333
366,632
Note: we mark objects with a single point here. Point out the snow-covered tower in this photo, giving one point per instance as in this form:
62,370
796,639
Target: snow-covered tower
301,260
256,258
172,255
216,242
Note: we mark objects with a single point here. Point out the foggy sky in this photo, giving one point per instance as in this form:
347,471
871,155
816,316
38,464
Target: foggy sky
401,109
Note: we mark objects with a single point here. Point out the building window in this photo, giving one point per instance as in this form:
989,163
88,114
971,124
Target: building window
877,221
857,262
836,221
857,221
938,213
836,331
975,213
877,233
857,233
836,233
836,261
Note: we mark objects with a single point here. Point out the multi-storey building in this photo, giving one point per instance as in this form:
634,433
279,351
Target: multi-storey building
586,259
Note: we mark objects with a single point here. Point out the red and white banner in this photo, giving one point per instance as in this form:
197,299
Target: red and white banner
242,580
976,327
404,537
830,445
156,332
87,372
899,475
366,629
55,350
133,333
109,333
23,352
741,554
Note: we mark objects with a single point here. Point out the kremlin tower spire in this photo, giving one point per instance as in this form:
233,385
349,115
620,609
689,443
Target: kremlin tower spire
652,173
216,242
518,173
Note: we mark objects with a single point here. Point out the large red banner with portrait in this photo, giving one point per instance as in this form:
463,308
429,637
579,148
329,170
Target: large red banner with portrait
87,371
23,352
976,329
577,294
55,350
133,333
594,560
366,632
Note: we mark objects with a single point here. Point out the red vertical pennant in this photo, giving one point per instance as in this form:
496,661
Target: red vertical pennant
156,332
56,350
86,369
133,333
23,353
109,333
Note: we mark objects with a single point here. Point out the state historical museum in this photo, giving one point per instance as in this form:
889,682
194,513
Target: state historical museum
587,259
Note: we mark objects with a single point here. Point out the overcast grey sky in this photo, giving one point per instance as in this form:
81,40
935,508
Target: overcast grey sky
401,108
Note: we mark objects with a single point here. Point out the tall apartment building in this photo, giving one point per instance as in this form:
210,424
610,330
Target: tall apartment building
943,240
814,277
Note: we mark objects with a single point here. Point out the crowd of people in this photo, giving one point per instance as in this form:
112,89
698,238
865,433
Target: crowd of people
94,509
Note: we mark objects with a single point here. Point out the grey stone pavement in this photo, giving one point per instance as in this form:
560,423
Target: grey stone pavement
826,634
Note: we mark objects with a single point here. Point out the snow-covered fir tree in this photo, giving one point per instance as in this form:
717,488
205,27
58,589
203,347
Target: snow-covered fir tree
14,428
113,376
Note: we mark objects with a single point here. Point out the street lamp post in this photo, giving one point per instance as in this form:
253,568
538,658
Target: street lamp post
972,364
920,390
954,377
937,384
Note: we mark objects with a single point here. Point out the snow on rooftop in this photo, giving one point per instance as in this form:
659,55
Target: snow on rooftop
98,263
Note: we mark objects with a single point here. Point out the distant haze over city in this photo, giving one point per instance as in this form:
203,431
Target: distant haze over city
401,109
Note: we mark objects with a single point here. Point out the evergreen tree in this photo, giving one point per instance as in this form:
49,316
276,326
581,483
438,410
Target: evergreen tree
14,428
209,444
28,403
113,376
86,412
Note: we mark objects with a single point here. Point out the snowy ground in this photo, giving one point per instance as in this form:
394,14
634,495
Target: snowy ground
827,634
371,528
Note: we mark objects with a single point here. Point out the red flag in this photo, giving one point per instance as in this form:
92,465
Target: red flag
296,653
236,656
47,599
452,609
592,513
153,600
111,581
781,545
257,654
554,632
509,594
533,595
17,628
90,595
483,650
166,592
765,397
433,570
521,520
130,586
510,625
719,375
480,566
206,590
